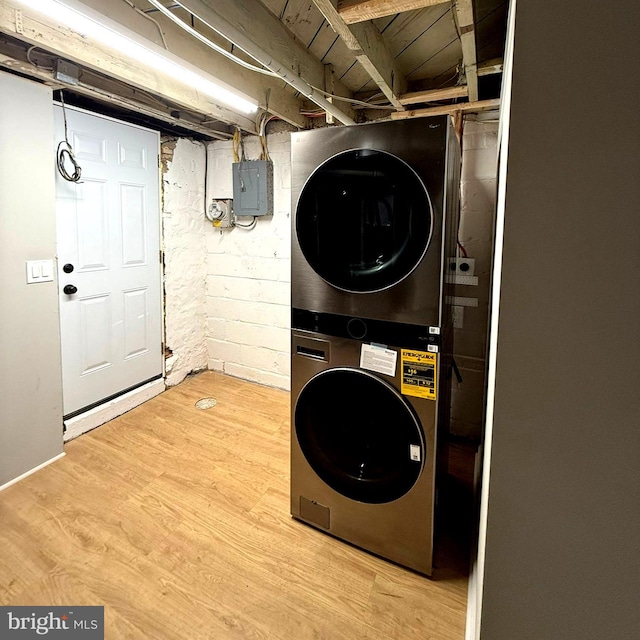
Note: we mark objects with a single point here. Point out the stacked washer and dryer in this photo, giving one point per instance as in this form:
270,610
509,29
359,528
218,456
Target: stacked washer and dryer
375,213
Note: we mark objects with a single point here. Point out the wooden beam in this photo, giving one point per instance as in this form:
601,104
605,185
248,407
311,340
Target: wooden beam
489,67
352,11
108,96
329,78
463,107
434,95
81,48
366,43
466,30
251,27
283,103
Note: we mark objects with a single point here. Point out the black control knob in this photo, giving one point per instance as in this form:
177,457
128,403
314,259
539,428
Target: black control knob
68,268
69,289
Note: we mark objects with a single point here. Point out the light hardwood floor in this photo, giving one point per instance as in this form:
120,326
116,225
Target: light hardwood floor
177,521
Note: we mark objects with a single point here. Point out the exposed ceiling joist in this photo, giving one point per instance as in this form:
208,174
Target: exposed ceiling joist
462,107
434,95
255,30
466,29
285,104
109,97
487,68
490,67
27,25
352,11
280,36
366,43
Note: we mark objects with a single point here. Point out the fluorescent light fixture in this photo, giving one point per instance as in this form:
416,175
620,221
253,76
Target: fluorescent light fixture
89,23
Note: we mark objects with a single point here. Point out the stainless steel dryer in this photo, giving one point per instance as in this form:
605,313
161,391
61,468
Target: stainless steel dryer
364,453
373,219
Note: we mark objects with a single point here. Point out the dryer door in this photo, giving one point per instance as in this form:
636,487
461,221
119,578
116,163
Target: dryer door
364,220
359,435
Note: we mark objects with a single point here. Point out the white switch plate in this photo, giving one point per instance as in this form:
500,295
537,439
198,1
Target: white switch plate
39,271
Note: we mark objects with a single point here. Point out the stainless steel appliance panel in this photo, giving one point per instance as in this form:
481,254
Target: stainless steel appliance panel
412,155
367,474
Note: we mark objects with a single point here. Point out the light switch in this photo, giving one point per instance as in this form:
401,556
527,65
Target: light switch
39,271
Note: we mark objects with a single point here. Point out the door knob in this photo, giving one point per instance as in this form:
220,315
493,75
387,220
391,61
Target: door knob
68,268
69,289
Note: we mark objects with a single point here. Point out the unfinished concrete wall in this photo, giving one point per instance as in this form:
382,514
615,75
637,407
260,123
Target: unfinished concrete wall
248,281
185,265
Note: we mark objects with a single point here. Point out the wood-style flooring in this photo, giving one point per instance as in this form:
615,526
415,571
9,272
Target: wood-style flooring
177,520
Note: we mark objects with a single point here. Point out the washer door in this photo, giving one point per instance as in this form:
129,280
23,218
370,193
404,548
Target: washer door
359,435
364,220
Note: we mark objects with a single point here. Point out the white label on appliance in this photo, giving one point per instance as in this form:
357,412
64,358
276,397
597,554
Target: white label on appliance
434,331
414,452
432,348
379,359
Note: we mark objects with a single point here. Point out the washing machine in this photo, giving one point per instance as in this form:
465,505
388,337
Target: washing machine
365,450
374,217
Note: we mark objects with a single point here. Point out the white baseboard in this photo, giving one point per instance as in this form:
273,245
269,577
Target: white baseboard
28,473
93,418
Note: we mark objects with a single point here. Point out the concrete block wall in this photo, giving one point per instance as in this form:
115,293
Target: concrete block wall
477,207
185,265
248,274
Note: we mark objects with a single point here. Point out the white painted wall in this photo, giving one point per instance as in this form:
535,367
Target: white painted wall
185,265
248,281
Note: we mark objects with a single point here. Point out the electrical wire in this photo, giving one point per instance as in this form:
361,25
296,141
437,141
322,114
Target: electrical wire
148,17
249,226
351,100
238,146
209,43
65,152
33,62
246,65
237,136
262,132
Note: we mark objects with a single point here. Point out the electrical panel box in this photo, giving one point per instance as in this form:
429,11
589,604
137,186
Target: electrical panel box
253,188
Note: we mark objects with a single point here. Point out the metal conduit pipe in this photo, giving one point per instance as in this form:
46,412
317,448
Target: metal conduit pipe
214,21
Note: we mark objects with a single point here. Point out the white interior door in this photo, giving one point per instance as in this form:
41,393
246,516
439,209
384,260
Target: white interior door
108,230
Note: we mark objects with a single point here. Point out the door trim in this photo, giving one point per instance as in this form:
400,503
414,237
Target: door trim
102,401
111,409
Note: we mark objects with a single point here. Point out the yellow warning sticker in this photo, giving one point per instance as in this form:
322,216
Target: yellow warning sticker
419,374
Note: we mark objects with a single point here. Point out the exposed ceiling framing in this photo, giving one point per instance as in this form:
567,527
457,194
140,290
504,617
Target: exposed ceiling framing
345,60
352,11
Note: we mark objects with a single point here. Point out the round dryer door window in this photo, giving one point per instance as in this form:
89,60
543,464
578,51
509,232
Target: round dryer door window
359,435
364,220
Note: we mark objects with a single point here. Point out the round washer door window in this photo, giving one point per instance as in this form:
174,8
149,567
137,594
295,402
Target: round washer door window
359,435
364,220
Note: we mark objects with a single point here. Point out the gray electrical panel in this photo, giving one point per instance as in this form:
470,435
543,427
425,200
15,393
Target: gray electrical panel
253,188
